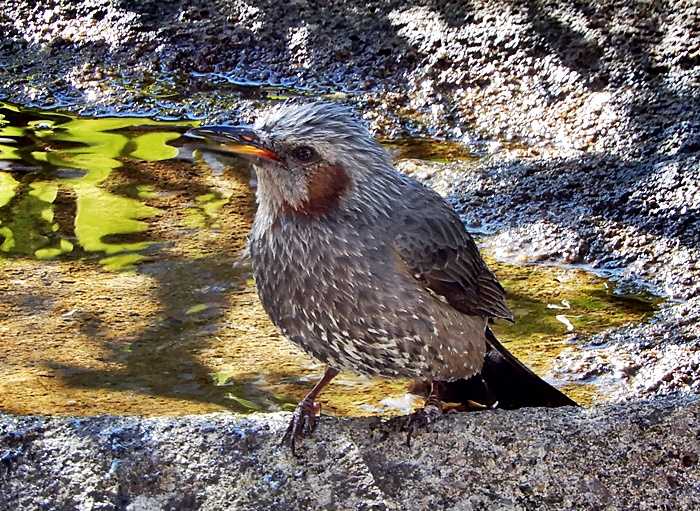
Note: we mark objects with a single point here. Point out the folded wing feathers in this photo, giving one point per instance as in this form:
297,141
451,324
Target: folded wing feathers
448,263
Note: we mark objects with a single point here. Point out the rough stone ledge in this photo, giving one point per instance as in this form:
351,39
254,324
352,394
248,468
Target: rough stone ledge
640,455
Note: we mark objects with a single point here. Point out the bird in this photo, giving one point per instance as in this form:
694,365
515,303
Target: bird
368,270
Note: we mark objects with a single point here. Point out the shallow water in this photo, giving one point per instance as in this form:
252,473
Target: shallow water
121,292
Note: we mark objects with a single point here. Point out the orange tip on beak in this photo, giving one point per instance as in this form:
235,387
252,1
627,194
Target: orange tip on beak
251,150
241,140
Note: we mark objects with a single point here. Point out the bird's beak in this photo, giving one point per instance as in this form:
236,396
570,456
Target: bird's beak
234,139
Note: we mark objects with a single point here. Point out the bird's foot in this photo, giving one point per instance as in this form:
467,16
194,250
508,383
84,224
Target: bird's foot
422,419
303,423
471,406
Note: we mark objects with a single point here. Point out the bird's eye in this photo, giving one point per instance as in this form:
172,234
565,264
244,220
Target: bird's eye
303,153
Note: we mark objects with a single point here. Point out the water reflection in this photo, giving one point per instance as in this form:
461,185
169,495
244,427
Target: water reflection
52,153
427,149
45,155
30,229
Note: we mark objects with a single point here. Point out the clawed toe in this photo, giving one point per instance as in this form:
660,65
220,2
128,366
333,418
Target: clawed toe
304,419
421,420
302,424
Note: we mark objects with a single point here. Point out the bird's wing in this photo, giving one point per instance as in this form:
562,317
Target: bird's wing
430,239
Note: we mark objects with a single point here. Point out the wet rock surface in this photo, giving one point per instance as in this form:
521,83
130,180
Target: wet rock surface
572,76
604,458
589,120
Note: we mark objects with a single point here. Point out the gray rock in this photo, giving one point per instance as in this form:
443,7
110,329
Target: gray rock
637,456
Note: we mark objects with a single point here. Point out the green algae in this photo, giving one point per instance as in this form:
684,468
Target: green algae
8,186
125,216
30,225
556,308
95,149
207,210
154,146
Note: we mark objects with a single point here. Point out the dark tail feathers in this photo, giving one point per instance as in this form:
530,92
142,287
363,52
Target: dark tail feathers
504,382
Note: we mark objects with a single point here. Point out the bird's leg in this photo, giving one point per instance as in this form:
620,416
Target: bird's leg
432,409
303,421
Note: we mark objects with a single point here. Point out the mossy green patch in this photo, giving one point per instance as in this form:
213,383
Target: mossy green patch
8,185
540,295
94,149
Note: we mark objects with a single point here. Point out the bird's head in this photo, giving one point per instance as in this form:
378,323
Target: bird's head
308,157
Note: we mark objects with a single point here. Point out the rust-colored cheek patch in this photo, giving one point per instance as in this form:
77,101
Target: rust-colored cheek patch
327,185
